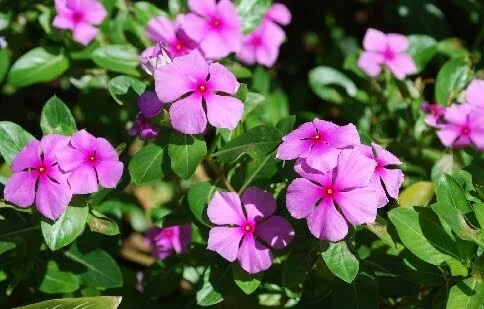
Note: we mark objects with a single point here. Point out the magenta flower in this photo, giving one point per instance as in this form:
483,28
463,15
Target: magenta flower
238,232
88,160
215,26
319,142
80,16
385,173
435,114
475,93
278,14
464,126
150,106
165,241
386,49
316,195
189,81
154,57
171,35
36,176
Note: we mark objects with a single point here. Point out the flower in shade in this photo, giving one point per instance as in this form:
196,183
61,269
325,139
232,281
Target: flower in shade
171,35
464,126
155,57
80,16
317,195
89,160
36,177
435,114
475,93
386,172
239,233
150,106
386,49
318,142
188,82
215,26
168,240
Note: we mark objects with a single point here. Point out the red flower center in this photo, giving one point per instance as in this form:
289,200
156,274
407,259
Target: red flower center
465,131
77,16
168,233
256,41
202,87
42,169
179,46
248,228
329,191
92,159
216,22
388,55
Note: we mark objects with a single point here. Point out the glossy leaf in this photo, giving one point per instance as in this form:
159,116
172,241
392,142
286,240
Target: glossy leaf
246,282
417,194
57,118
451,80
99,223
123,87
198,198
56,281
117,58
12,139
251,13
323,79
4,63
145,166
449,192
208,295
466,294
341,261
99,302
186,152
422,49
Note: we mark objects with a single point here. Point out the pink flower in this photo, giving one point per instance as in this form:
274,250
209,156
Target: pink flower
215,26
475,93
316,195
385,173
161,29
167,240
386,49
238,231
150,106
36,176
155,57
79,16
318,142
189,81
278,14
435,114
88,160
464,126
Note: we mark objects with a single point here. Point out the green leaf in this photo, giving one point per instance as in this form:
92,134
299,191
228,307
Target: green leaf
466,294
423,237
56,281
296,268
117,58
246,282
57,118
198,197
456,221
208,295
422,49
100,302
6,246
36,66
239,71
285,125
145,166
68,227
242,92
4,63
144,11
186,152
12,139
451,79
380,229
251,12
99,223
360,294
417,194
341,261
252,101
122,88
449,192
452,47
257,143
322,80
479,210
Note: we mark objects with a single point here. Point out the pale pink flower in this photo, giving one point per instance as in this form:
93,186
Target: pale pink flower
171,35
475,93
154,57
168,240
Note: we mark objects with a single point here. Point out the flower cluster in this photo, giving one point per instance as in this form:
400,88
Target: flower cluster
341,181
165,241
48,172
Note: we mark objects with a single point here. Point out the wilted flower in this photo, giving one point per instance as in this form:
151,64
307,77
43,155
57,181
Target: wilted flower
155,57
170,34
165,241
238,231
435,114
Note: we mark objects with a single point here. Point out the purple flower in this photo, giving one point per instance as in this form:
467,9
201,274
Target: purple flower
36,176
435,114
79,16
318,142
385,172
155,57
316,195
150,106
238,232
464,126
386,49
161,29
215,26
88,160
167,240
143,128
475,93
189,81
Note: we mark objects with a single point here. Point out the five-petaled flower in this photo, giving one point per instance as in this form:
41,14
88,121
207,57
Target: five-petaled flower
171,35
238,234
168,240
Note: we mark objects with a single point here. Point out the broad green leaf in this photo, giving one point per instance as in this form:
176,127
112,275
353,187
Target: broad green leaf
145,166
323,79
36,66
208,295
239,71
186,152
257,143
117,58
57,118
341,261
449,192
99,302
242,93
479,210
422,49
123,88
446,165
252,101
423,237
360,294
296,268
198,197
246,282
144,11
380,229
56,281
456,221
4,63
452,47
6,246
122,209
417,194
12,139
260,168
68,227
285,125
451,79
98,222
251,12
466,294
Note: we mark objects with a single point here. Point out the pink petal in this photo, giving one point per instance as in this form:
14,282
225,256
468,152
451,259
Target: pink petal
306,130
304,170
183,238
225,208
377,186
224,111
345,136
327,223
375,41
301,197
160,29
52,198
271,36
279,13
205,8
225,241
222,79
187,115
449,134
84,33
70,158
370,63
20,188
215,46
109,173
51,145
475,93
276,232
323,158
354,170
105,151
28,157
246,53
393,179
477,137
397,43
61,7
84,141
462,141
258,203
63,22
83,179
195,27
359,206
476,123
385,157
294,148
253,256
458,113
401,66
94,12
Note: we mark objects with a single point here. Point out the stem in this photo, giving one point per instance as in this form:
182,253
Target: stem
220,174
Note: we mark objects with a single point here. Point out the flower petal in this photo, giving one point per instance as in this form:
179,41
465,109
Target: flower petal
182,239
258,203
225,241
28,157
83,179
301,197
305,171
279,13
105,151
377,186
359,205
149,104
20,188
51,145
70,158
393,179
397,43
370,63
224,111
375,40
160,29
327,223
205,8
253,256
222,79
385,157
402,65
195,27
276,232
187,115
294,148
109,173
458,114
94,12
52,198
449,134
84,33
306,130
63,22
475,93
225,208
354,170
323,157
84,141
